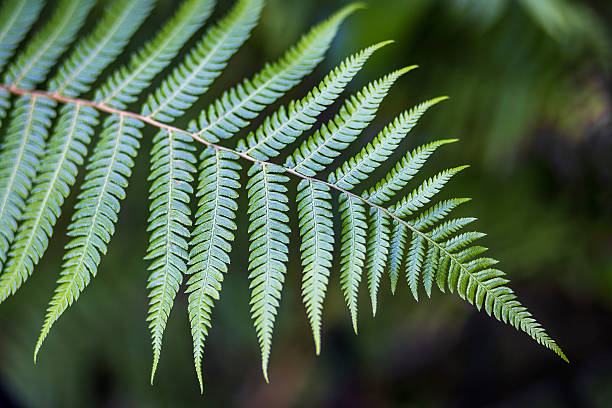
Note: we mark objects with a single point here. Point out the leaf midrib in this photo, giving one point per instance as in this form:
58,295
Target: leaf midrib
20,155
195,136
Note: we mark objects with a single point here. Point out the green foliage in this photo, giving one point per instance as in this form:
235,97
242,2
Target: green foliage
382,230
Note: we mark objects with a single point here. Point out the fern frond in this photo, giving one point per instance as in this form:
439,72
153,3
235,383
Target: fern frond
352,250
125,84
58,171
21,149
397,245
356,169
95,52
287,124
205,63
237,106
16,18
331,138
382,229
93,223
423,194
171,174
437,213
414,263
403,172
27,134
430,267
218,186
316,231
71,137
377,252
481,286
269,235
42,52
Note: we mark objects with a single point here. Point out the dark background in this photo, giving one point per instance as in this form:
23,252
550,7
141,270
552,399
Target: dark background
530,92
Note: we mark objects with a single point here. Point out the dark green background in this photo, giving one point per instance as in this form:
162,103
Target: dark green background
531,102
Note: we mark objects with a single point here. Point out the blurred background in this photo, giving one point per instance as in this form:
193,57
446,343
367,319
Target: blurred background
531,98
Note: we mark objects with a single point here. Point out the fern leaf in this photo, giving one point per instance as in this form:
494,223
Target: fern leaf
19,161
397,246
423,194
16,18
377,252
171,174
205,63
449,227
218,186
287,124
42,52
316,231
476,282
95,52
403,172
25,142
58,172
268,250
430,267
35,178
328,141
437,213
414,263
237,106
356,169
352,250
93,223
124,86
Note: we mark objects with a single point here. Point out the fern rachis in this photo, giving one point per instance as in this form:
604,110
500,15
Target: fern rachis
379,227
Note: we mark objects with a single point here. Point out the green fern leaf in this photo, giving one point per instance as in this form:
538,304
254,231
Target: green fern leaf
95,52
211,242
106,179
316,231
397,252
381,230
21,149
356,169
28,129
171,172
269,236
423,194
287,124
42,52
93,223
430,267
403,172
437,213
16,18
58,172
205,63
71,137
125,84
327,142
237,106
377,252
352,250
414,263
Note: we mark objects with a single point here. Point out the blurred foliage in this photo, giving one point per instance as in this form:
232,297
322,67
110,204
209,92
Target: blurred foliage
531,96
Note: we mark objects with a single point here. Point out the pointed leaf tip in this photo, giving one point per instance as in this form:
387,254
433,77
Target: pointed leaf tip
201,382
317,342
348,10
382,44
404,70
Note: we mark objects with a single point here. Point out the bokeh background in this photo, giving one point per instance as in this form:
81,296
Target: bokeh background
531,98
